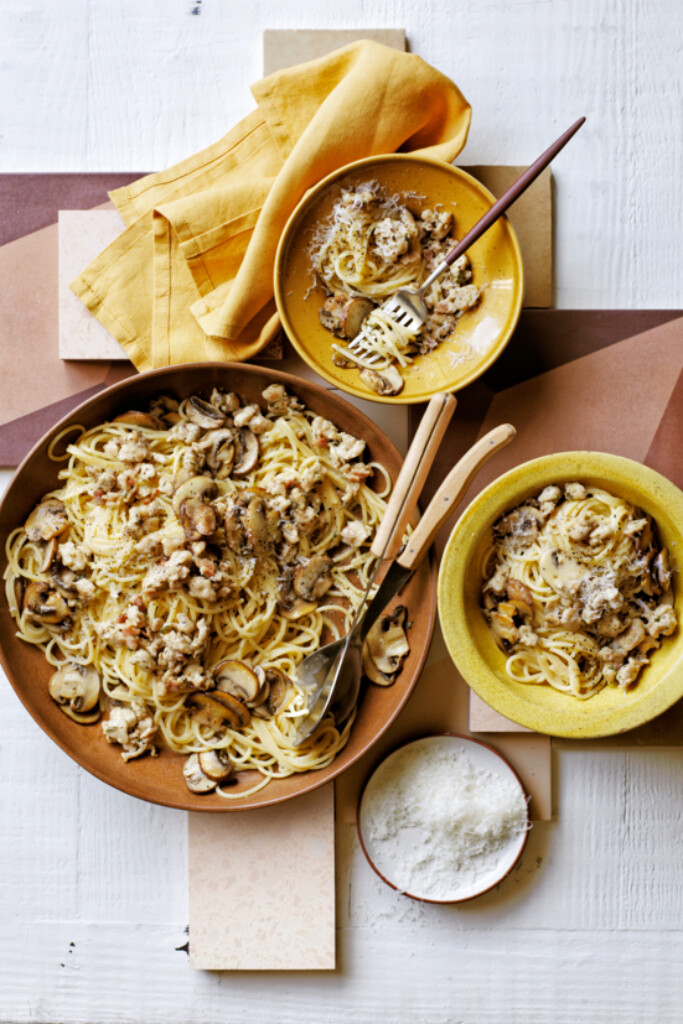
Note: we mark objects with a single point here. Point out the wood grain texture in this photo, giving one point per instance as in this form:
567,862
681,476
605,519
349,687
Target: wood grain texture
93,883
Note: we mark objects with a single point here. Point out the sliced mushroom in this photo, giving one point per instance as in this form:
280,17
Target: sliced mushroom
502,623
279,686
204,414
264,687
644,539
65,581
238,679
141,419
343,315
216,765
560,571
520,595
294,608
44,604
49,553
246,452
198,519
195,779
202,488
660,571
313,579
385,647
47,520
82,717
190,504
235,532
76,687
385,382
221,454
340,360
218,711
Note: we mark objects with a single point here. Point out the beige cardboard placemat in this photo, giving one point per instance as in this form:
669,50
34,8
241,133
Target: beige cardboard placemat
83,234
261,887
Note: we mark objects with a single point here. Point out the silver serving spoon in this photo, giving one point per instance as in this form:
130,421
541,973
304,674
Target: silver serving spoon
313,672
336,677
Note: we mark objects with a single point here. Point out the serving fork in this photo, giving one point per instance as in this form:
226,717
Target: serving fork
407,306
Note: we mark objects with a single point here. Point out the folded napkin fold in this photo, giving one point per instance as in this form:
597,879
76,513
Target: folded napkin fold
191,277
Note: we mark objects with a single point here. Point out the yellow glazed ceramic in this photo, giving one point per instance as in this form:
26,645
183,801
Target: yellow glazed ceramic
481,334
471,645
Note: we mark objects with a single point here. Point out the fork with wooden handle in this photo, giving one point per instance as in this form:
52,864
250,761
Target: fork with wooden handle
407,306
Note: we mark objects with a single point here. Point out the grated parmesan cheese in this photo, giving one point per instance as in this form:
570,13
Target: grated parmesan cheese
435,824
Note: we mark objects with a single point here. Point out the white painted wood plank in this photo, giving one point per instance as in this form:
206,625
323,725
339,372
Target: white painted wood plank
593,932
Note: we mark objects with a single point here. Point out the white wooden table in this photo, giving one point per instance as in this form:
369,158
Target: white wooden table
92,882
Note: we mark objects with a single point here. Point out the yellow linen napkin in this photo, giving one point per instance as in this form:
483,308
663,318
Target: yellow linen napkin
191,277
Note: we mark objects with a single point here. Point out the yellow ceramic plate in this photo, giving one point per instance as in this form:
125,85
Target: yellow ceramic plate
469,640
481,334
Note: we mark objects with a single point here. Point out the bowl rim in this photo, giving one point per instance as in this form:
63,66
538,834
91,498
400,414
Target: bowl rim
283,243
454,611
132,785
417,739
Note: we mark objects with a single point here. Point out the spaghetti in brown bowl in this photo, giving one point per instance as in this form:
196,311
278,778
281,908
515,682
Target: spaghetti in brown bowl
207,549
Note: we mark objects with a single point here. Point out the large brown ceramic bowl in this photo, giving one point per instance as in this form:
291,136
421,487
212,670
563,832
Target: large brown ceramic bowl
160,779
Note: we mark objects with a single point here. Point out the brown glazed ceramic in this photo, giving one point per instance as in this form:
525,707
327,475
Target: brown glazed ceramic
160,780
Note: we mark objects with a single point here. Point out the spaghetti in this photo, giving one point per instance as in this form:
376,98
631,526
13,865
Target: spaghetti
372,246
577,590
192,557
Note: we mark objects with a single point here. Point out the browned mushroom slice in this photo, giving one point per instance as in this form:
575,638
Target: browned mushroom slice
76,688
343,315
214,712
294,608
262,528
341,361
44,604
204,414
65,581
385,647
264,687
216,765
660,571
385,382
49,553
47,520
520,595
195,779
246,452
235,532
82,717
238,679
197,519
221,454
202,488
279,689
502,623
313,579
190,504
141,419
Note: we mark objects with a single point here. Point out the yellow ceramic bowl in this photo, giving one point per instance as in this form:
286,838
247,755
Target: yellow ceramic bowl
469,640
481,334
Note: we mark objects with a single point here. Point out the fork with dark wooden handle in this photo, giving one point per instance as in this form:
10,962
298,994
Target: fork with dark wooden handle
407,306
